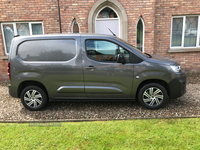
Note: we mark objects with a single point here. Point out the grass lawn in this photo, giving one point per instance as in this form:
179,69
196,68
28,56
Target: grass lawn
129,134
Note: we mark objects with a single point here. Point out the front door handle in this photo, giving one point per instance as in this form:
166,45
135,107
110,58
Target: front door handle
91,68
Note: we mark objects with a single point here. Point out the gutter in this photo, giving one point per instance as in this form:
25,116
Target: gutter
59,16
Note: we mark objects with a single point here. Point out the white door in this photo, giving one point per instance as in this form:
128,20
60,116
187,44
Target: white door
103,26
107,19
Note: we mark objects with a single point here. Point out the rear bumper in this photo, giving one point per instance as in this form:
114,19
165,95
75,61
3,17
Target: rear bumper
12,91
178,86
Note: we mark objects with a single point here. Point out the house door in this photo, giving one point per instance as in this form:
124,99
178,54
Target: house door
105,20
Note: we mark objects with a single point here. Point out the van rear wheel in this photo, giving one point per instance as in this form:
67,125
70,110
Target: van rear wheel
153,96
33,98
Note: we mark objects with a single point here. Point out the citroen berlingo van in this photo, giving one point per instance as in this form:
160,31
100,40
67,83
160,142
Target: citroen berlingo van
65,67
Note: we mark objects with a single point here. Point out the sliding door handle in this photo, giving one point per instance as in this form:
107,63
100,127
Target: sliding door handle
90,68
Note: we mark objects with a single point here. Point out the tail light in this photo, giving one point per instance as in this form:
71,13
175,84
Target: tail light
8,70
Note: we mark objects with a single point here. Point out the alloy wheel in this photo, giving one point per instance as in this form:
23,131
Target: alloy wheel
153,96
33,98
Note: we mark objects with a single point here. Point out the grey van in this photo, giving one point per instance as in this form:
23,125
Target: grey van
81,67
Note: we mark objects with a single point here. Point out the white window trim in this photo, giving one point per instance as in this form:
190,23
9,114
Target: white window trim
143,32
107,19
118,18
183,33
15,30
198,32
73,26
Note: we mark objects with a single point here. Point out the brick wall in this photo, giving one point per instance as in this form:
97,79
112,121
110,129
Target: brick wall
165,9
71,9
155,13
27,10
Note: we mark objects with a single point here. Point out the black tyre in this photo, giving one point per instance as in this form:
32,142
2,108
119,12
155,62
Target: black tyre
33,98
153,96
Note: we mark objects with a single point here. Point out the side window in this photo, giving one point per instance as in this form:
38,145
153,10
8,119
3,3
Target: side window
125,53
47,50
105,51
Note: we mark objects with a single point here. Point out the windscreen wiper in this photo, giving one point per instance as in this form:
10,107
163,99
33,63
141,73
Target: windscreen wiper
148,55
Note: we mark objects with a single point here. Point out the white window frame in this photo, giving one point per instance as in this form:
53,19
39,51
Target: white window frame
15,30
142,33
73,26
183,33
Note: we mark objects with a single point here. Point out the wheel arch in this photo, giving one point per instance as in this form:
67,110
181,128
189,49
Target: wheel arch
30,83
161,82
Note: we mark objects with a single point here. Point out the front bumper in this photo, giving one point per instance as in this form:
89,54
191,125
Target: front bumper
177,86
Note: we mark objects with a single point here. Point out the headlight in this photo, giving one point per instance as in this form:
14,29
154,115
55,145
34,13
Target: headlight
176,68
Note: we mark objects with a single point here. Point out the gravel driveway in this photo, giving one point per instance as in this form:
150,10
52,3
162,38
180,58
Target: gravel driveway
188,105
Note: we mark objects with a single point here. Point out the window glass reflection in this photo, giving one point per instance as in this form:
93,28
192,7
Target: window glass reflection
47,50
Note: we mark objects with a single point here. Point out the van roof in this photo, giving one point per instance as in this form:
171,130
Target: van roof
62,35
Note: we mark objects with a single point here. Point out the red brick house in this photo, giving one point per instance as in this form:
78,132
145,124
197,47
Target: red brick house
169,28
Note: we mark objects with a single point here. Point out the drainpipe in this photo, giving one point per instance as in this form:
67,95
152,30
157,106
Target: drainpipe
59,16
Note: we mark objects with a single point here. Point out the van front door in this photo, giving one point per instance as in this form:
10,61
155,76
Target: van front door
103,76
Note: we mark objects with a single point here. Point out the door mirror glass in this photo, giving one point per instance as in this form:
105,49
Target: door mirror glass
121,59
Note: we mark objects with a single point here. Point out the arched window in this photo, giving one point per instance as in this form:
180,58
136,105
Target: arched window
75,27
107,13
106,20
140,35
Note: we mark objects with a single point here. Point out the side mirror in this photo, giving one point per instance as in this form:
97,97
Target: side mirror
120,58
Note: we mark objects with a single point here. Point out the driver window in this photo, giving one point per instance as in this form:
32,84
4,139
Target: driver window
125,53
105,51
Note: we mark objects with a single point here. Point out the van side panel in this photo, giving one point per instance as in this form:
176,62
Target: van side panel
49,67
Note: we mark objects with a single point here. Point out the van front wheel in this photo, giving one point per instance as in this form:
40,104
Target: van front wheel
33,98
152,96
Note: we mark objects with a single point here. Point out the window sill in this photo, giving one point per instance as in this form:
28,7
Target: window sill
183,50
4,58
